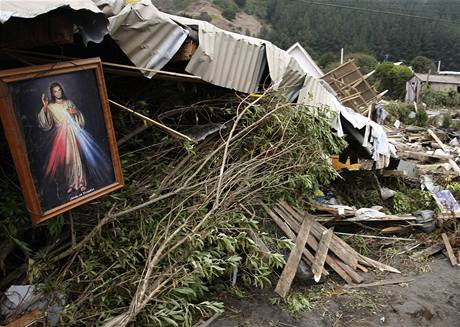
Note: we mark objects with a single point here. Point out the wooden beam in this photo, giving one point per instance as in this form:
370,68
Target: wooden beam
348,250
450,252
313,243
436,138
384,282
287,231
288,274
153,122
429,251
336,246
27,319
321,254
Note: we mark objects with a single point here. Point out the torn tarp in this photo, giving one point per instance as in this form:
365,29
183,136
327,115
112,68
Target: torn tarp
91,23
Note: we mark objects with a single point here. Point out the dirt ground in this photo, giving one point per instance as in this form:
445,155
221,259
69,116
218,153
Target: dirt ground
432,299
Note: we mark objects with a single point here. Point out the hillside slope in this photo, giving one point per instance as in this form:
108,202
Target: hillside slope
243,22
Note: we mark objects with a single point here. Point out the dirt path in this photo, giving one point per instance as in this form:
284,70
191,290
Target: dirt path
432,299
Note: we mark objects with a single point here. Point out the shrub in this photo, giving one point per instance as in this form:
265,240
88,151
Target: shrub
365,62
393,78
437,98
402,111
229,13
205,16
421,64
228,7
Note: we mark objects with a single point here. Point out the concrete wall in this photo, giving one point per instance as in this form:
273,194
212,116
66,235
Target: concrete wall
444,87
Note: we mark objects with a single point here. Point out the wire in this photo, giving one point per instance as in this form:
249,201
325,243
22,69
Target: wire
376,11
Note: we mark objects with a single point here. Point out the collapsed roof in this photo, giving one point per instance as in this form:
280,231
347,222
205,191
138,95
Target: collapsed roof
151,38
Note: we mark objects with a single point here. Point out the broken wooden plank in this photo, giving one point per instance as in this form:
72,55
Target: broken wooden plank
317,229
450,252
436,138
313,243
383,282
393,173
383,218
27,319
335,211
349,250
321,253
378,237
380,266
429,251
287,276
362,268
287,231
355,276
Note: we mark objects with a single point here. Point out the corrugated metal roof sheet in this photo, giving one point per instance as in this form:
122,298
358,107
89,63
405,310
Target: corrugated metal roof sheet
226,59
314,94
90,21
147,36
237,61
444,79
305,60
285,71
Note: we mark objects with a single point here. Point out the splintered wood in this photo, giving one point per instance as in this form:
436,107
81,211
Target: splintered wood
318,246
321,254
287,276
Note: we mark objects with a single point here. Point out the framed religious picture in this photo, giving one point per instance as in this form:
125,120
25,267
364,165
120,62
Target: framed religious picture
59,129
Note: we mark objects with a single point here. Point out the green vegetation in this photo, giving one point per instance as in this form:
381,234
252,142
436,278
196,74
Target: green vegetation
436,98
159,264
393,78
412,200
394,38
406,114
421,64
295,302
454,188
229,8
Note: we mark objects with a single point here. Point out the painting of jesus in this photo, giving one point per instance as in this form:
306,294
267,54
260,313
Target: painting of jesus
58,125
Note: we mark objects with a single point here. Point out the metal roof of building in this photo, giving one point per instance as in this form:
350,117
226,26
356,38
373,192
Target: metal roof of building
238,61
305,60
146,35
443,79
90,21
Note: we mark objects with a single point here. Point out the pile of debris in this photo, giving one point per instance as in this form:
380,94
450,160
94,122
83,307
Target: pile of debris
193,210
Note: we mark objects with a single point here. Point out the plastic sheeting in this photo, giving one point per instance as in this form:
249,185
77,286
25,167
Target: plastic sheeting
90,21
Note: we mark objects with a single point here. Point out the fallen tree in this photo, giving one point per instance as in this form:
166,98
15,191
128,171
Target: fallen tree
183,222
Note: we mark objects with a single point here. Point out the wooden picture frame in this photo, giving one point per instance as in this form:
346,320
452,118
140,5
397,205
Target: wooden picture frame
59,129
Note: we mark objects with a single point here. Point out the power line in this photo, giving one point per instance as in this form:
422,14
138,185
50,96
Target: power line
376,11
